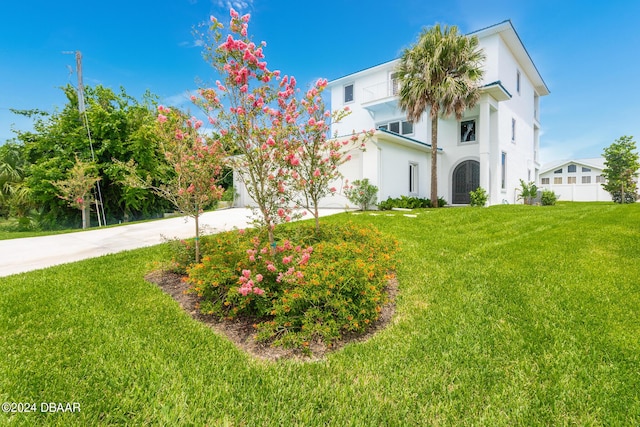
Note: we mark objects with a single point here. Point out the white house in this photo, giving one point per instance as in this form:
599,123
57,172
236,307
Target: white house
575,180
494,145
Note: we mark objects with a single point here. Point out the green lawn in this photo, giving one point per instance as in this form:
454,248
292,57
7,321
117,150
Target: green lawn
509,315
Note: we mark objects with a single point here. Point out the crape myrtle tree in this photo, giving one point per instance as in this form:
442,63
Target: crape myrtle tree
277,143
77,188
440,73
621,170
196,161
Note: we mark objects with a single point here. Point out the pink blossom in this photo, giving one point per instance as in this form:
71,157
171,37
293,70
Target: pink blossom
316,172
258,291
271,267
246,273
259,278
162,118
281,212
287,259
233,13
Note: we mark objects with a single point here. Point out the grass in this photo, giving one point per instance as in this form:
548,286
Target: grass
509,315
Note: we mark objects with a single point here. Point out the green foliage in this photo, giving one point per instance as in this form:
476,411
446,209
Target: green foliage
121,128
404,202
478,197
313,286
621,169
528,192
548,198
362,193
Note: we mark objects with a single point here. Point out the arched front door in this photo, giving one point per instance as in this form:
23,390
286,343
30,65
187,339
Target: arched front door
466,178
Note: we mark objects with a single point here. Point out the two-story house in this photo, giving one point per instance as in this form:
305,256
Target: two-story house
493,146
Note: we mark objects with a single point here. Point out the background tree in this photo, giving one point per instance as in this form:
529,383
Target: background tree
121,128
440,73
78,187
621,169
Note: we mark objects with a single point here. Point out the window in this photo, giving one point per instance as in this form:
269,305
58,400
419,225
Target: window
600,179
572,168
503,178
586,179
394,84
586,169
400,127
413,178
558,170
557,180
513,130
571,180
468,131
348,93
545,181
518,81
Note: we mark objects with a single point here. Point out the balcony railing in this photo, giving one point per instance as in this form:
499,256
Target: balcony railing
380,91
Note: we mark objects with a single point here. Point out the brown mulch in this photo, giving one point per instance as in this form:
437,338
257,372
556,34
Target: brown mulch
241,331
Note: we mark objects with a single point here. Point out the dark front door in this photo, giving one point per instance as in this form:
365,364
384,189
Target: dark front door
466,178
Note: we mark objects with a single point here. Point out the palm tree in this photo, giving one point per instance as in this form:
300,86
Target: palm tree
441,74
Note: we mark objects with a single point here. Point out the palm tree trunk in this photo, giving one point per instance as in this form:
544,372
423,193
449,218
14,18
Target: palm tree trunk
434,160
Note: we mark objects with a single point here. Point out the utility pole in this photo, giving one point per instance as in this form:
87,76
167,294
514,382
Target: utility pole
86,213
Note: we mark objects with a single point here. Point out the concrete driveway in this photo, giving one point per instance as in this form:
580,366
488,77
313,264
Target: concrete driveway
32,253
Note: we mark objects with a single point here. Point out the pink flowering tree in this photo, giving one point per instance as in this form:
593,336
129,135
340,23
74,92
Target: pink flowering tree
77,188
317,157
196,163
254,111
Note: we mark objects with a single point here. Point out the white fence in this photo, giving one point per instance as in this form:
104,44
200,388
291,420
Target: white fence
579,192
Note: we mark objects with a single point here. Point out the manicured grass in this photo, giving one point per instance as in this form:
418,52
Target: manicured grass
509,315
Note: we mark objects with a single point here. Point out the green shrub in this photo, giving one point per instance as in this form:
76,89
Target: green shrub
478,197
528,192
315,286
629,197
362,193
548,198
406,202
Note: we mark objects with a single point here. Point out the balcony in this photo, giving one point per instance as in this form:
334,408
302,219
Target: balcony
381,96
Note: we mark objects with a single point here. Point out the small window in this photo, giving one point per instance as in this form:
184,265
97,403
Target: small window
545,181
383,127
394,127
518,81
600,179
348,93
586,169
558,170
513,130
468,131
413,178
571,180
503,178
394,84
557,180
572,168
407,128
586,179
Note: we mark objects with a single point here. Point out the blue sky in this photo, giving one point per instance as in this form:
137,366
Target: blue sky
587,52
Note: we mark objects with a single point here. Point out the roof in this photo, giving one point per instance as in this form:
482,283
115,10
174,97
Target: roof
594,163
387,135
510,37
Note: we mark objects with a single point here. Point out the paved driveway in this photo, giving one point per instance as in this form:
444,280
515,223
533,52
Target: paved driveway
32,253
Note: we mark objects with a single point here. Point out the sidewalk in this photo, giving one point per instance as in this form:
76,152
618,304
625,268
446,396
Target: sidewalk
32,253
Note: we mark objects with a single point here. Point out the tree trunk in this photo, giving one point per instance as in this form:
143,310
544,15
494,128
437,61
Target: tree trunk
197,241
434,160
316,214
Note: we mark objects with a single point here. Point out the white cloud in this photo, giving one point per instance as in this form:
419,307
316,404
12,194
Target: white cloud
238,5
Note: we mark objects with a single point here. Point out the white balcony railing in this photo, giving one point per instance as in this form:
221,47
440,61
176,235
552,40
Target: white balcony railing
380,91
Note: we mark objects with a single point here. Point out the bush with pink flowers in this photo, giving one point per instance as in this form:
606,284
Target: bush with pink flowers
313,286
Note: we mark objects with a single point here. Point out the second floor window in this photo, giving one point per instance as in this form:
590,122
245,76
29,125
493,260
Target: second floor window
348,93
468,131
403,127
